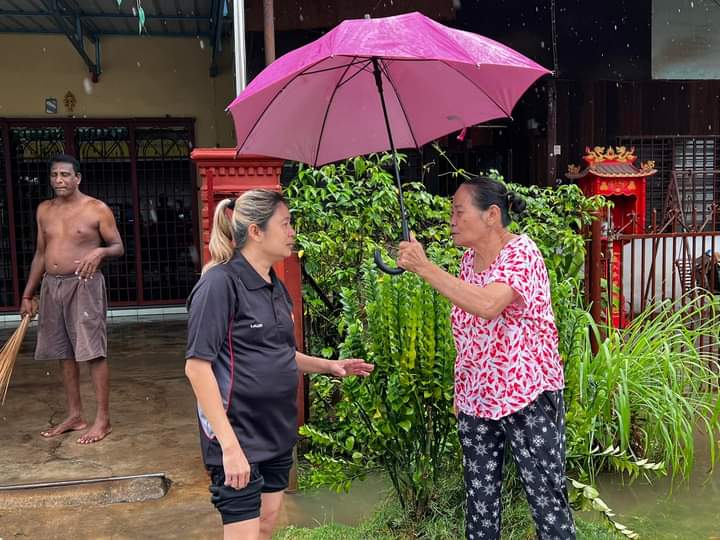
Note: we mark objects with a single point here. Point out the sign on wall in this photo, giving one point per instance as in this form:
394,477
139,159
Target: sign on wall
50,106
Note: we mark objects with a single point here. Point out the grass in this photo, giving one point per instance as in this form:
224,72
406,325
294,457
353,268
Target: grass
444,521
386,524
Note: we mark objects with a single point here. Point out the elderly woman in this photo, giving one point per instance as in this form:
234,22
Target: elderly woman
243,365
508,373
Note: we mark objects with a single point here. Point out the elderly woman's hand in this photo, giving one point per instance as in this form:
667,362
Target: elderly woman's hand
412,256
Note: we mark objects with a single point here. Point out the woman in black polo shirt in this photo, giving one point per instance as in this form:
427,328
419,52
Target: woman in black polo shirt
243,366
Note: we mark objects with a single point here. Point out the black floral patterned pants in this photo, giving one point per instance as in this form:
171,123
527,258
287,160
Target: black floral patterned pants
537,443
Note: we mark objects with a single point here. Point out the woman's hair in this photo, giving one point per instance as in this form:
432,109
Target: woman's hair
256,206
487,192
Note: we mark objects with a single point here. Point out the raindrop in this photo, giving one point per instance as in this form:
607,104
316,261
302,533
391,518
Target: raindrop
301,17
542,44
87,86
202,44
138,63
709,127
615,26
692,4
134,12
44,50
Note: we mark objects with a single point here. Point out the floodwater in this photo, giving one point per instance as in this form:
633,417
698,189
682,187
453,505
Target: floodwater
663,510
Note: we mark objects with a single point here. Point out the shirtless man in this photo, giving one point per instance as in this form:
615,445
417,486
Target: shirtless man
71,231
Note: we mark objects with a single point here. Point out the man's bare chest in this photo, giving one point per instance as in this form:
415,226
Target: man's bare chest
78,226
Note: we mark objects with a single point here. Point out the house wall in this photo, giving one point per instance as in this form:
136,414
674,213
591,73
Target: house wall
597,112
142,77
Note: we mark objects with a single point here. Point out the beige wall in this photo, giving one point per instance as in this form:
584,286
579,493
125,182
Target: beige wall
142,77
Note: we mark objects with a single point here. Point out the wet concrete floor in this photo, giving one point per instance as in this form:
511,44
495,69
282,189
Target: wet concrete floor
154,431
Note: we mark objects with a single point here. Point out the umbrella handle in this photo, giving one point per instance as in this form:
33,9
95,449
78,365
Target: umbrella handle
384,267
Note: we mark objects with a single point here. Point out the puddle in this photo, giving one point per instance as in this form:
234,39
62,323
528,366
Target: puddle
314,507
662,511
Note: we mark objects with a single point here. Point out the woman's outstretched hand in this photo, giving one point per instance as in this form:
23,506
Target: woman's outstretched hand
350,367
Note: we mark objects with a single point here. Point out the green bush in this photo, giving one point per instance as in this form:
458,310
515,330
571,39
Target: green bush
632,407
342,214
401,417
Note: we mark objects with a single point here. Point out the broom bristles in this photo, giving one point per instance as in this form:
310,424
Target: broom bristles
8,355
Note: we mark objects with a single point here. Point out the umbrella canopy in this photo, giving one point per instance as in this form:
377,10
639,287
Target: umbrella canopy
319,103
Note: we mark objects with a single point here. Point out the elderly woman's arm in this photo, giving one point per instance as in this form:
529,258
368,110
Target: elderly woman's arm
486,302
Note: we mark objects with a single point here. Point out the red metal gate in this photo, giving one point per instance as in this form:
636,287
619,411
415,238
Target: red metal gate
675,261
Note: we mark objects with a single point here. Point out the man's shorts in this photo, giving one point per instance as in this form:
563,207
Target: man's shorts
243,504
72,318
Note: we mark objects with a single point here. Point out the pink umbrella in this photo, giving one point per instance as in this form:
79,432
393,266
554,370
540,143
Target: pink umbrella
371,85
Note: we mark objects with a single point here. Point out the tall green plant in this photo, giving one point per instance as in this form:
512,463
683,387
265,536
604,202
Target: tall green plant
405,408
342,213
645,392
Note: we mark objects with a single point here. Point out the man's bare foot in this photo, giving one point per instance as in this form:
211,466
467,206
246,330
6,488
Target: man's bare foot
96,434
72,423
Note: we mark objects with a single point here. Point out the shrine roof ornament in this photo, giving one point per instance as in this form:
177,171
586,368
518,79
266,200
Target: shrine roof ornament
618,162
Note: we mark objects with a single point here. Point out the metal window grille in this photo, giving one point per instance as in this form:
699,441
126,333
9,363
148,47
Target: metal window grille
694,162
167,198
7,293
31,149
140,169
104,154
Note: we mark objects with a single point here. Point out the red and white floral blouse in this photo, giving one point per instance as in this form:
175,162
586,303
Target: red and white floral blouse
502,365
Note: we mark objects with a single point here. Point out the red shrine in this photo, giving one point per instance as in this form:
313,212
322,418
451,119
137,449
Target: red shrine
613,174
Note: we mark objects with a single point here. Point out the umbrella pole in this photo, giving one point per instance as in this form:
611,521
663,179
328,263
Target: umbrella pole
401,200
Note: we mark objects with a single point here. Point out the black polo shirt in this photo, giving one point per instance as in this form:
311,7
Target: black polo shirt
243,325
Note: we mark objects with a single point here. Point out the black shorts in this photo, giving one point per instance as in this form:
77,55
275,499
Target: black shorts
243,504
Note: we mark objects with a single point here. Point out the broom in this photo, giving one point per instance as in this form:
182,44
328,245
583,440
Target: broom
9,352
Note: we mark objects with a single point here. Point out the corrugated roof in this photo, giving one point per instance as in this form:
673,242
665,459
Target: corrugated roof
105,17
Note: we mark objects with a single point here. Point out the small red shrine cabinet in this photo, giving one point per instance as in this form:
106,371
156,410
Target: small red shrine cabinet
225,176
613,174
